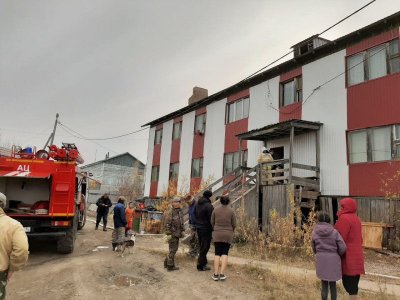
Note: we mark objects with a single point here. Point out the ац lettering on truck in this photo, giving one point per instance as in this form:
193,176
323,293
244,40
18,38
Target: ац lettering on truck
46,192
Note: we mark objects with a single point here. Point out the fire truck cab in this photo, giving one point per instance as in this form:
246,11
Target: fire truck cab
46,192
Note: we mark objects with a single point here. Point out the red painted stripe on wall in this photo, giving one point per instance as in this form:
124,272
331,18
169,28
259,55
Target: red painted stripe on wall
239,95
368,179
290,112
373,41
153,189
233,129
178,119
374,103
175,151
291,74
156,155
195,185
201,110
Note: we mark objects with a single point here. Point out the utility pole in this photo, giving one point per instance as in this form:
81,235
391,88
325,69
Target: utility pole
52,135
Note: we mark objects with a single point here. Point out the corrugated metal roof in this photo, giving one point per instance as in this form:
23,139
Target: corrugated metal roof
280,130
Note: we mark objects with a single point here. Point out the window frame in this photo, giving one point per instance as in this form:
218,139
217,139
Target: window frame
173,171
231,106
200,167
233,165
180,131
202,130
297,90
160,131
366,66
394,144
152,179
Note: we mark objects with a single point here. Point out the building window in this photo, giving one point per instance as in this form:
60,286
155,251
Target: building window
155,172
176,131
381,143
292,91
158,137
232,161
358,146
237,110
373,63
200,124
173,171
396,142
374,144
197,168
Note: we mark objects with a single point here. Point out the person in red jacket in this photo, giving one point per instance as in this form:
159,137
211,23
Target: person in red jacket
349,227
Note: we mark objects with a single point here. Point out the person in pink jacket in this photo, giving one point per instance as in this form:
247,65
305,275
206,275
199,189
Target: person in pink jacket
349,227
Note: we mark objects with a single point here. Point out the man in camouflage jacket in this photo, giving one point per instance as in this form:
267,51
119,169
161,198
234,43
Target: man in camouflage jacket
174,231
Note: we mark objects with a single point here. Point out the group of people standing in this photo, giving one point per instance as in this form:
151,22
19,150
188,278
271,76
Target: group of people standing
206,224
338,250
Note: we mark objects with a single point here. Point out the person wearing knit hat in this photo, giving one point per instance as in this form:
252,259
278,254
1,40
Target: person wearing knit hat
203,211
14,247
174,230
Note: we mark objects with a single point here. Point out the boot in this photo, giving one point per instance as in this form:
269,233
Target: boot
114,245
173,268
97,226
165,263
105,227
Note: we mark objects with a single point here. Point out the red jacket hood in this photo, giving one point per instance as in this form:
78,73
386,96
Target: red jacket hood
347,206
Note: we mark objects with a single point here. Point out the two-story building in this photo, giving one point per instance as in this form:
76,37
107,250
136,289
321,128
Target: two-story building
346,91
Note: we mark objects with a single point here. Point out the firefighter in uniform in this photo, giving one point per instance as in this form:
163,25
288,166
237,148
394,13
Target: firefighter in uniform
174,231
13,247
265,157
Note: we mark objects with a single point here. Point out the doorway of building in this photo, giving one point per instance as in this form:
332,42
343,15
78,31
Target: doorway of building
278,153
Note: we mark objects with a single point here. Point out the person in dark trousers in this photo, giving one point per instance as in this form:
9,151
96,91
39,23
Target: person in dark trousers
328,246
203,212
174,231
193,240
349,227
120,222
103,206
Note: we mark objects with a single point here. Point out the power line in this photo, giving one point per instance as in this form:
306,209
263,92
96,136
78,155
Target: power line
102,139
345,18
325,83
81,137
326,30
278,59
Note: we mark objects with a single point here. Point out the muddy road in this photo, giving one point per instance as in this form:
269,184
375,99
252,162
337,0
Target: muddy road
94,272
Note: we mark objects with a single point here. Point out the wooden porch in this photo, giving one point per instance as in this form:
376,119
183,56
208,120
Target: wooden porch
279,176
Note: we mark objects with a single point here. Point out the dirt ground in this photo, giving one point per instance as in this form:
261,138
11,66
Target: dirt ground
94,272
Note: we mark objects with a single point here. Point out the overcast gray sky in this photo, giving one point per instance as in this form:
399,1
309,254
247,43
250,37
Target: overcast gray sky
109,67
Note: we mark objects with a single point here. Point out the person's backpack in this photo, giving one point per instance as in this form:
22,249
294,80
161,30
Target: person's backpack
192,214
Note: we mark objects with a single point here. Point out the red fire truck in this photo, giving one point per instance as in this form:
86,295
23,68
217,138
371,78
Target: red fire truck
46,192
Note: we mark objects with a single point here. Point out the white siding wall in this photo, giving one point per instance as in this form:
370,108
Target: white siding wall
165,157
262,96
214,140
149,163
185,155
329,106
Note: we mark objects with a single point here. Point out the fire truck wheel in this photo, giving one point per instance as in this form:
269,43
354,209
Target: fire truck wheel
82,219
66,244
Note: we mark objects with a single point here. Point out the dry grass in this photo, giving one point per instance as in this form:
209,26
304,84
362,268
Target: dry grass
391,188
282,239
276,285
